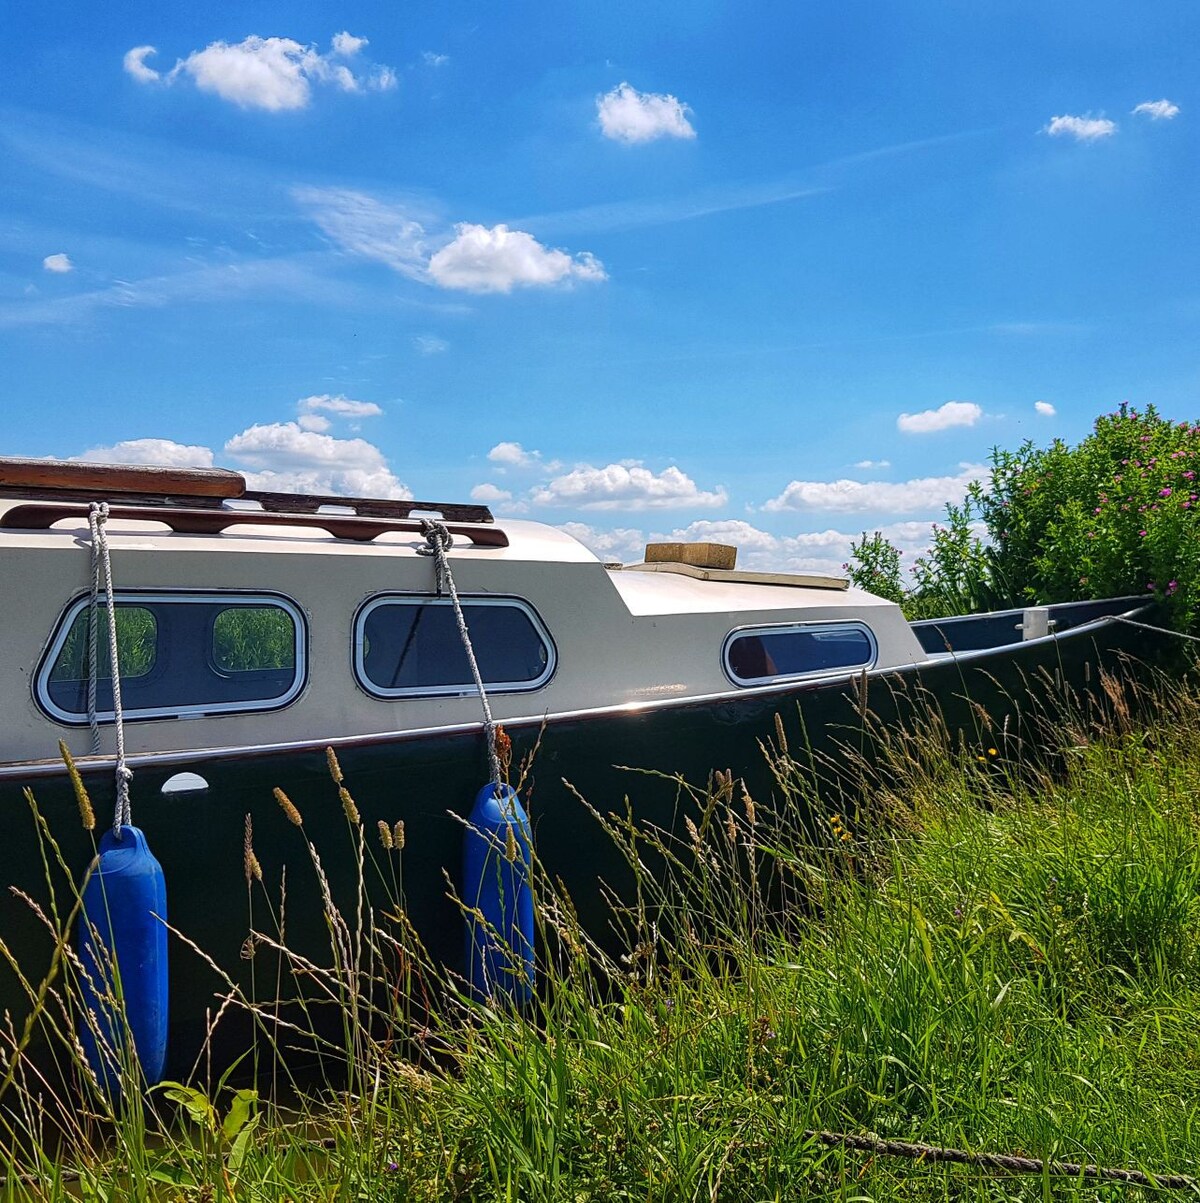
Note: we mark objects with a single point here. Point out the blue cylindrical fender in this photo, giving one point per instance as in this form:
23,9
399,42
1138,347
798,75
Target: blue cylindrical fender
122,943
496,886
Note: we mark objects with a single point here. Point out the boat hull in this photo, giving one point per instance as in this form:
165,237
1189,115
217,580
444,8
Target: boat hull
429,781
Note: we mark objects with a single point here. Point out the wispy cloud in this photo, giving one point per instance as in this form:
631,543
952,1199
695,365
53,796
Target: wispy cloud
923,494
1157,110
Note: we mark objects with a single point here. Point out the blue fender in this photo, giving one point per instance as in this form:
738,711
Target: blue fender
123,926
500,947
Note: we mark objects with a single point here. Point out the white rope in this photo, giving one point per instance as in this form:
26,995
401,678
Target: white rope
438,540
1145,626
102,564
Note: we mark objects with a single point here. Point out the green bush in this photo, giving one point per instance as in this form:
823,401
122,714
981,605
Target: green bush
1114,515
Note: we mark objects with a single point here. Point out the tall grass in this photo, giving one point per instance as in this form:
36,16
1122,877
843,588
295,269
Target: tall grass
958,947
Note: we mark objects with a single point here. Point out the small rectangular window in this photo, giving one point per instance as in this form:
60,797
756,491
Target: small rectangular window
180,654
406,646
756,655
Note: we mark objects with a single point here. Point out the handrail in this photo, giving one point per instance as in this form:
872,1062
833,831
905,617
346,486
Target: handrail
200,521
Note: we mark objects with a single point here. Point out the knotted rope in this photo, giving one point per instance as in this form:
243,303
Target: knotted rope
438,541
102,569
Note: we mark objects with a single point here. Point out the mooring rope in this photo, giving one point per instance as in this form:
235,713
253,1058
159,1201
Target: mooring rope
438,541
1006,1162
1145,626
102,567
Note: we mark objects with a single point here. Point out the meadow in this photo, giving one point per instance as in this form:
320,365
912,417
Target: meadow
955,950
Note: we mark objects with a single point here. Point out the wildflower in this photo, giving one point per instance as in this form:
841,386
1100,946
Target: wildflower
1142,533
992,752
1164,492
1189,475
87,816
285,804
335,769
348,806
398,835
385,835
1171,587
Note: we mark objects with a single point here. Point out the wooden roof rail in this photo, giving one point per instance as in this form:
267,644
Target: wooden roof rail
194,488
213,521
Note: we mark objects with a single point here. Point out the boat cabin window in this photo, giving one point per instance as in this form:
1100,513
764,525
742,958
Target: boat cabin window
408,646
181,654
757,655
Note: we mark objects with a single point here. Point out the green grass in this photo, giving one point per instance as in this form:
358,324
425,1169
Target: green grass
962,954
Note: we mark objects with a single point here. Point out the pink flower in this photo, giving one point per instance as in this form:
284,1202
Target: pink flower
1171,587
1189,475
1164,492
1142,533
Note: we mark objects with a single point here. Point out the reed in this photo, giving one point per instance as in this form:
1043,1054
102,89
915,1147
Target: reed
937,942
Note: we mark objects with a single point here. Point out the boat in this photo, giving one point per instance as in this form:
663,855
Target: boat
258,629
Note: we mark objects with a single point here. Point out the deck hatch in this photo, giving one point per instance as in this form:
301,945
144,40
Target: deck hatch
408,645
765,654
182,655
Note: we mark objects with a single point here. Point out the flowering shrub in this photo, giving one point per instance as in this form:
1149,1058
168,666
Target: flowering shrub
1117,514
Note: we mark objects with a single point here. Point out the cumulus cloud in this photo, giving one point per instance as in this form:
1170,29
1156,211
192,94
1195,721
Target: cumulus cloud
1082,129
490,494
284,457
340,405
478,259
823,551
1157,110
627,115
953,413
161,453
59,263
626,486
876,496
135,64
273,74
314,422
1045,409
498,259
513,455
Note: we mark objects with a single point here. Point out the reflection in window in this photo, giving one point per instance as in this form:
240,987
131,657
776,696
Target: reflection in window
413,646
179,654
774,653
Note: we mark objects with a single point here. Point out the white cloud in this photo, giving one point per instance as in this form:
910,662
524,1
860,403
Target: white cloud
1045,409
758,550
498,259
273,74
430,59
873,463
430,344
1157,110
627,486
627,115
340,405
953,413
314,422
1082,129
135,64
162,453
477,259
59,263
876,496
513,455
283,457
489,494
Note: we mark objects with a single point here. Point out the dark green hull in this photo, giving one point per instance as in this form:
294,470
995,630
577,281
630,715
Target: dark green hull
199,838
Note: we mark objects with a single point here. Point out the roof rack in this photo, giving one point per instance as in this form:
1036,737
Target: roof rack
148,487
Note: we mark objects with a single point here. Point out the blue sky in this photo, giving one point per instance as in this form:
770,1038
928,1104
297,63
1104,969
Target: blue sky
772,273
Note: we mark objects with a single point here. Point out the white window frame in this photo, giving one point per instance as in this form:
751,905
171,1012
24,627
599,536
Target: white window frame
783,628
133,597
450,691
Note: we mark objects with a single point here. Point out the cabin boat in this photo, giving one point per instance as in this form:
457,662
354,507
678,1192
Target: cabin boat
256,630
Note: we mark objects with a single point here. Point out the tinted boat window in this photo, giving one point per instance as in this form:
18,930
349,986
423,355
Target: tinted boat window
409,645
753,656
180,654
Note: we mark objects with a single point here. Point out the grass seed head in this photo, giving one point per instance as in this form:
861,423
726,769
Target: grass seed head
510,845
352,815
250,865
385,835
285,804
335,769
398,835
86,814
